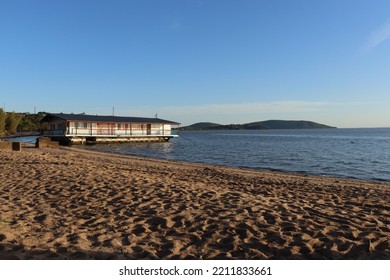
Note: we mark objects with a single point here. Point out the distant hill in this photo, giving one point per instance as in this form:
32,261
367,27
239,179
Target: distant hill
201,126
270,124
280,124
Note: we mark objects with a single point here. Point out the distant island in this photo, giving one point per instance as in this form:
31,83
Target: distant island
270,124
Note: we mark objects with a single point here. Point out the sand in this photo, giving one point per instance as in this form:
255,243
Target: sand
72,204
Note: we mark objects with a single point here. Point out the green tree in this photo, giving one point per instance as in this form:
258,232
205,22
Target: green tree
12,121
27,124
2,121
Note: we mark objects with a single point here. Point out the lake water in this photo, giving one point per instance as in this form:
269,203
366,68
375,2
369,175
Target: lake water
351,153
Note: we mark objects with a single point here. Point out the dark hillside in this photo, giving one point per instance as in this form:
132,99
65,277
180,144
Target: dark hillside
270,124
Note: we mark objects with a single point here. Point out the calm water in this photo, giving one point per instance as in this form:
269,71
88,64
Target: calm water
352,153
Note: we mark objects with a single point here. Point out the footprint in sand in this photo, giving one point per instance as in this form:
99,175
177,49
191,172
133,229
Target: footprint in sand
41,218
139,230
269,218
156,223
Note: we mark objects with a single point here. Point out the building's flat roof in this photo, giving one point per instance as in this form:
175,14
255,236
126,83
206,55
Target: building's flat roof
109,119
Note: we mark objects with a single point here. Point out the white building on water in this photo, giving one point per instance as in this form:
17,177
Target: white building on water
81,129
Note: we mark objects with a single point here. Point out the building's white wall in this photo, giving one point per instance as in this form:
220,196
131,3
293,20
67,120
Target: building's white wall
83,128
80,128
167,128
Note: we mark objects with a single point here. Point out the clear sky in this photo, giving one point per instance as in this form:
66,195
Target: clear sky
222,61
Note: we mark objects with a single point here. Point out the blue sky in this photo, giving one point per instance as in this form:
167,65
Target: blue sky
199,60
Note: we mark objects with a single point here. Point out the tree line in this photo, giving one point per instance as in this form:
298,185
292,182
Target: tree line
11,122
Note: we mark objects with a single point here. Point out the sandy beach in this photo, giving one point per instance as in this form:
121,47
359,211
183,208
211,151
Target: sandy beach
73,204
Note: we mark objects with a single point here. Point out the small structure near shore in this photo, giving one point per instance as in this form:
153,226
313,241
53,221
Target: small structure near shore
12,146
46,142
90,129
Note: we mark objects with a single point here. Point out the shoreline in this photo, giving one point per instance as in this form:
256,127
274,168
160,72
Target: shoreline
298,173
72,203
301,172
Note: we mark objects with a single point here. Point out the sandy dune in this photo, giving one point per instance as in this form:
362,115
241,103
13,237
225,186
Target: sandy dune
71,204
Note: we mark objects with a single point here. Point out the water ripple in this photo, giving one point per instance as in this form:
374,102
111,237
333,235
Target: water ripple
352,153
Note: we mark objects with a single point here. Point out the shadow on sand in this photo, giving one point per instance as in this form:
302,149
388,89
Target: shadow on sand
18,252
